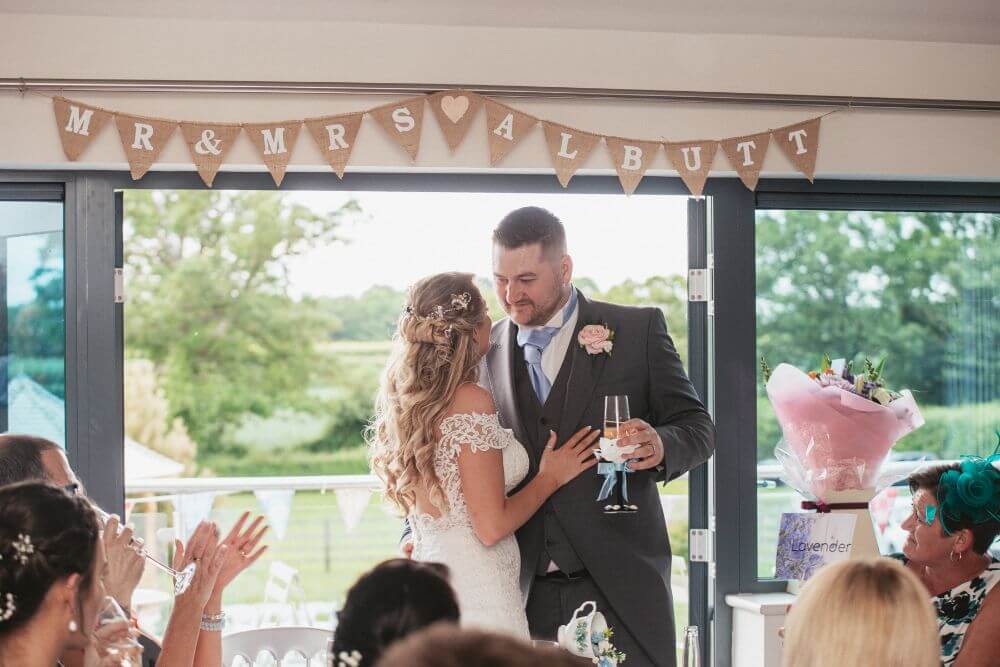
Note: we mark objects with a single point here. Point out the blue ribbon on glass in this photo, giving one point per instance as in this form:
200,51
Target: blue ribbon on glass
610,478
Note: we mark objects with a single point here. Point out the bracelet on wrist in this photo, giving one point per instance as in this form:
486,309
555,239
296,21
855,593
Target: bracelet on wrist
213,622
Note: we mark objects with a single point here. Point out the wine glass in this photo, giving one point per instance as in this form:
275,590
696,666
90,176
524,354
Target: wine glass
615,415
182,578
126,651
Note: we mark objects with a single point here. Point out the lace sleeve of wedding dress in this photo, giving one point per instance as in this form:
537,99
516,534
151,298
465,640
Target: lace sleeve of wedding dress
481,432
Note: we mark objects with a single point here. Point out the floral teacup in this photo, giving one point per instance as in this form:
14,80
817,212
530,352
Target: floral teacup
577,635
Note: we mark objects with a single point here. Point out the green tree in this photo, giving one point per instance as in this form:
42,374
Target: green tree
209,302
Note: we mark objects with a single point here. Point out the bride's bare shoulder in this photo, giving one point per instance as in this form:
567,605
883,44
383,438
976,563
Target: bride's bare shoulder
471,398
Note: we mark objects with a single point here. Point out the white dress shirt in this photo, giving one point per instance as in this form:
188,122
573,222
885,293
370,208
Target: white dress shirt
555,352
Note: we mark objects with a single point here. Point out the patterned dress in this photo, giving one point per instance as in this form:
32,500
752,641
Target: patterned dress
957,608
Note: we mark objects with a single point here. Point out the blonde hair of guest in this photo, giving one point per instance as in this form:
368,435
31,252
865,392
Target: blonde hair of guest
862,612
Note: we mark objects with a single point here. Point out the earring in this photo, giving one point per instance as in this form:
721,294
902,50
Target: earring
73,627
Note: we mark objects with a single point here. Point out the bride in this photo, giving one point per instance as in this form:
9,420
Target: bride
446,462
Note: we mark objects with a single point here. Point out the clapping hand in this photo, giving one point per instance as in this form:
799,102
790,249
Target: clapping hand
203,549
243,550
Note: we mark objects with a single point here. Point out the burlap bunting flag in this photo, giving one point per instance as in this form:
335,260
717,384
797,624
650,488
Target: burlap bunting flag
208,144
504,128
800,142
454,110
693,161
403,122
335,137
569,148
78,124
275,143
631,159
746,155
143,139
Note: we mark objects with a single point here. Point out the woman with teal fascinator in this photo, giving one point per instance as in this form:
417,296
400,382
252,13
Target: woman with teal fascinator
955,520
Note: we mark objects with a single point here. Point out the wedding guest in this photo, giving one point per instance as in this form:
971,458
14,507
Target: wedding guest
861,612
393,600
449,646
955,519
51,561
194,630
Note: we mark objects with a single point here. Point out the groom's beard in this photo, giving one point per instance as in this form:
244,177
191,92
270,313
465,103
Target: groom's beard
540,317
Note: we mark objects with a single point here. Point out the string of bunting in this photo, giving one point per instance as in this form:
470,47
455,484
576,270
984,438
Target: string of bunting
143,139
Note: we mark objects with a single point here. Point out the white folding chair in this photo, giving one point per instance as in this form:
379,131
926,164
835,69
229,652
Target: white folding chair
284,589
277,642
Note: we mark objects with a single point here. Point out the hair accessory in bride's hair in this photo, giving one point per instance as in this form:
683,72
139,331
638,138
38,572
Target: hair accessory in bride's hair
352,659
8,607
23,548
460,302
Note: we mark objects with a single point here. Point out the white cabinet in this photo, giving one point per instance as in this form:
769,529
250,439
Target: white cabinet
756,621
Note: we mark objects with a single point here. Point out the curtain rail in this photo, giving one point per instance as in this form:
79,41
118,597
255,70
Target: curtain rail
23,85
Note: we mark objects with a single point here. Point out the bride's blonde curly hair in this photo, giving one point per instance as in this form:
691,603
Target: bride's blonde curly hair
435,352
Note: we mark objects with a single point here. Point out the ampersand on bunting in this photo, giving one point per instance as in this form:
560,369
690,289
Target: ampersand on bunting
208,144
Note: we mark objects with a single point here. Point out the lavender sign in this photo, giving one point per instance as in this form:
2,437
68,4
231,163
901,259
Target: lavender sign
807,542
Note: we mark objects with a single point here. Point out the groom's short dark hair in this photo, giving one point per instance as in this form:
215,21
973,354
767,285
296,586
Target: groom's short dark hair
532,224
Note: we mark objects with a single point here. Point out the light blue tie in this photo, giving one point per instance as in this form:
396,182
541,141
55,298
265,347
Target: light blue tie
534,344
535,341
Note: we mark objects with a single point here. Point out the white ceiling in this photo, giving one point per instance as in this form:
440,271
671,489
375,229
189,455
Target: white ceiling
962,21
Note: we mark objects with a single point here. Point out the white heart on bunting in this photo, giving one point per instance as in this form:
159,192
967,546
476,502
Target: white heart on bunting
454,107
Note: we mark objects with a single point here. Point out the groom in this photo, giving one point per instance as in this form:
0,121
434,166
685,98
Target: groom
543,378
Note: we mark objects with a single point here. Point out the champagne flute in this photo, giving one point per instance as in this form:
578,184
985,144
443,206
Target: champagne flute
615,415
182,578
126,651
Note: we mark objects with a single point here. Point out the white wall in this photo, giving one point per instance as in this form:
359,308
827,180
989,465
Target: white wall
859,143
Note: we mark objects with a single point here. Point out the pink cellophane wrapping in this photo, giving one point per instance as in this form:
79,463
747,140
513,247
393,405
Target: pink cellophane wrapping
836,440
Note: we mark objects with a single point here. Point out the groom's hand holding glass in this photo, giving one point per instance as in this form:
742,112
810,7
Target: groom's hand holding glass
649,447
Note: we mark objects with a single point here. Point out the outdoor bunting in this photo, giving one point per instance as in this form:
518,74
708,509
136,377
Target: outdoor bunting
692,160
143,139
335,136
191,509
504,128
403,122
800,142
208,143
352,503
277,507
569,148
274,142
631,159
746,155
454,110
78,124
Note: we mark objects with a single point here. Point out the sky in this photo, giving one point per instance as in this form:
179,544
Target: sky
404,236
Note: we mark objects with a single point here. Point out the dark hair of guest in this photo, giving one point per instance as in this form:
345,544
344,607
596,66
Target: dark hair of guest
395,599
63,533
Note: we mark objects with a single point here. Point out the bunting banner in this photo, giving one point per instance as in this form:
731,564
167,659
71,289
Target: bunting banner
208,145
274,142
693,161
800,143
277,507
746,155
454,110
631,159
352,503
403,122
335,136
143,138
78,124
504,128
190,510
568,148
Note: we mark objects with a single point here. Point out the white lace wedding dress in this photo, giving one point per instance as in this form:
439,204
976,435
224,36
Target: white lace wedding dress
484,578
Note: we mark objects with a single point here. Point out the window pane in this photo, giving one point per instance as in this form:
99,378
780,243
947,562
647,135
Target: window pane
917,289
256,328
32,320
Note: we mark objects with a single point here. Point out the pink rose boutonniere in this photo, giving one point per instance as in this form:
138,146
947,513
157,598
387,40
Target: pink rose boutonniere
596,339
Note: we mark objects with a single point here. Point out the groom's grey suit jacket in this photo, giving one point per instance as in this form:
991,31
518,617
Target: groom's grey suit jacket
627,555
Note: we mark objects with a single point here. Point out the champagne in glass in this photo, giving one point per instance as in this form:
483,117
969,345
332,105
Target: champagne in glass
182,578
124,650
615,415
